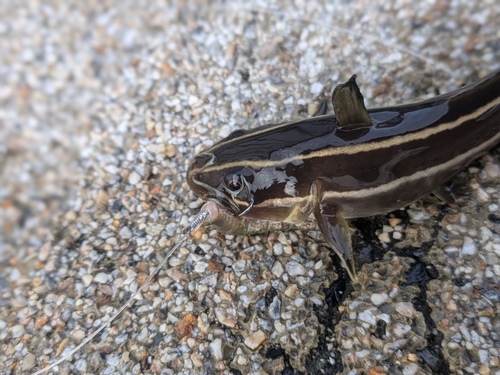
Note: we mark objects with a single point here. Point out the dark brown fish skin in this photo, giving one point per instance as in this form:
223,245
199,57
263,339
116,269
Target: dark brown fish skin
360,163
370,167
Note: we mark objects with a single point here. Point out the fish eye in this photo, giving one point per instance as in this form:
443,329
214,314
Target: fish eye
234,182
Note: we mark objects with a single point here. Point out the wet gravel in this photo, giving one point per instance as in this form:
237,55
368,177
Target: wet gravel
102,108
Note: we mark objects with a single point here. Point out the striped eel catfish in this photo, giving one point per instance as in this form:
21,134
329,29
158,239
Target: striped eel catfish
354,163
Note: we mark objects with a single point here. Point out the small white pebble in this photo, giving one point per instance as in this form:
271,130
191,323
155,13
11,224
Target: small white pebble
87,279
368,317
294,268
316,88
134,178
17,331
200,267
317,300
417,215
216,349
101,278
126,233
411,369
277,269
299,302
143,335
279,327
492,170
484,356
278,248
379,298
469,247
224,131
362,353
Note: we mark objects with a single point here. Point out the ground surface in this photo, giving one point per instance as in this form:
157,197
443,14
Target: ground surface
103,104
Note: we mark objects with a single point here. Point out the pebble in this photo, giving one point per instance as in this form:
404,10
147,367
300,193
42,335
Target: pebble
203,324
170,151
255,340
299,302
134,178
239,265
362,353
275,308
278,249
484,356
176,274
379,298
126,233
216,349
405,309
200,267
294,268
316,88
29,361
393,221
290,290
78,335
277,269
225,318
482,196
15,274
143,335
465,332
469,247
368,317
197,361
411,369
384,237
44,252
378,370
492,170
224,132
417,215
17,331
401,330
101,278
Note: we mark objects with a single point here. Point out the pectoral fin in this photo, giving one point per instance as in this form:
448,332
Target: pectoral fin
336,232
348,104
452,192
445,195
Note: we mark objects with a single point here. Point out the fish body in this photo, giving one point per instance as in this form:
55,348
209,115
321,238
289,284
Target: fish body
354,163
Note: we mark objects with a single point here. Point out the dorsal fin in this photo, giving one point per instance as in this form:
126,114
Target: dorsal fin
349,105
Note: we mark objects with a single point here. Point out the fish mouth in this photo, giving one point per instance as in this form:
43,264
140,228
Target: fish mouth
224,201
